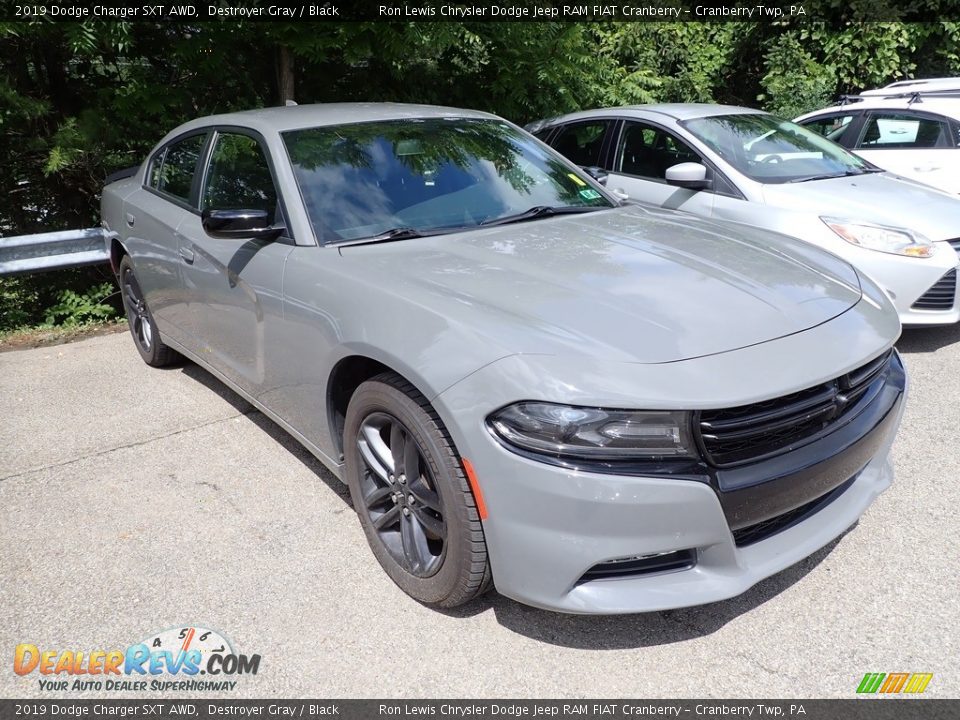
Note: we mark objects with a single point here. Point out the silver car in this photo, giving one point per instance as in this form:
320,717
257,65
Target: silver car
738,164
596,408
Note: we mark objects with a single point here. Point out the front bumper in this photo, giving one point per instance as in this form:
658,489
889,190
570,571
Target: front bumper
549,525
908,280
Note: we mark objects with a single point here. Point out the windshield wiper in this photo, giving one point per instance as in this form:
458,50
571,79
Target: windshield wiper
397,233
828,176
539,211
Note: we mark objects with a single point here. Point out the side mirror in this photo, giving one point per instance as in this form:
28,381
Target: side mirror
690,175
597,173
239,224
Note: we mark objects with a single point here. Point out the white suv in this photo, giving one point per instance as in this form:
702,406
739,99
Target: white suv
911,127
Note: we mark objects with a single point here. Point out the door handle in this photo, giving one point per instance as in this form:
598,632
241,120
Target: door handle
187,254
130,219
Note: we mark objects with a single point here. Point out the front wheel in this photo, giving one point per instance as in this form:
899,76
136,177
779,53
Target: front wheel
410,492
142,327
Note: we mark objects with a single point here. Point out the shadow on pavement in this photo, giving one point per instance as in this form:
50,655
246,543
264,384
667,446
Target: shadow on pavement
277,433
924,340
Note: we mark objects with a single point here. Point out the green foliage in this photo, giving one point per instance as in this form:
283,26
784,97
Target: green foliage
866,54
80,100
76,308
65,297
795,83
18,296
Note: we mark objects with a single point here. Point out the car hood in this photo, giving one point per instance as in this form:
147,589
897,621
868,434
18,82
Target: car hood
882,198
629,284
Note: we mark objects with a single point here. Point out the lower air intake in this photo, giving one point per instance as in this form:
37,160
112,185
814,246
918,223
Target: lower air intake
941,295
640,565
762,530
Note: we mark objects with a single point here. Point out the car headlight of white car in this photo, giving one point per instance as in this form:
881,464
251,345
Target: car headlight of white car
897,241
584,432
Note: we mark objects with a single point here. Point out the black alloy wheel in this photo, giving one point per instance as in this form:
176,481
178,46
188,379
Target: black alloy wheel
411,494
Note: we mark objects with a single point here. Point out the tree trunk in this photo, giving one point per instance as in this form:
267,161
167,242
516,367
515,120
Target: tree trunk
285,75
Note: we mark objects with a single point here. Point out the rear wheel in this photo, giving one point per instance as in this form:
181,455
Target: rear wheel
411,494
142,327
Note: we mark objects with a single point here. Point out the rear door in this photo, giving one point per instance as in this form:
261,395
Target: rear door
584,142
152,216
916,145
234,287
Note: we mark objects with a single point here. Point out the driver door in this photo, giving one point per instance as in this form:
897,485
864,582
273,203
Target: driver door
234,287
641,158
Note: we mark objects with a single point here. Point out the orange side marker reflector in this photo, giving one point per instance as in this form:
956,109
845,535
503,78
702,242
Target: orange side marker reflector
475,486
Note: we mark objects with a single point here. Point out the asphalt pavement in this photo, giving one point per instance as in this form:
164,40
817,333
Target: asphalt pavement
133,500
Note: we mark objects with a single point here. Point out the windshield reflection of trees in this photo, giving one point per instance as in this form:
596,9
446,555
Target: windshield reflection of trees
767,149
357,177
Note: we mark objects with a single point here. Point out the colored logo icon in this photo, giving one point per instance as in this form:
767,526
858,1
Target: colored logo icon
910,683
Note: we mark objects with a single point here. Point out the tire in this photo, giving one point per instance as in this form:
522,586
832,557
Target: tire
144,330
425,532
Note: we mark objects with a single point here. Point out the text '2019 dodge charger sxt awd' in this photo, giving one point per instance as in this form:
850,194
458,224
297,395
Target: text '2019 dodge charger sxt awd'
597,408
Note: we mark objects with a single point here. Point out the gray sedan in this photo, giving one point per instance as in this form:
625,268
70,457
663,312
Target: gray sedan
593,407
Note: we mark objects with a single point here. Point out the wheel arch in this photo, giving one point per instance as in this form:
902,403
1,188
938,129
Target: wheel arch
117,251
347,374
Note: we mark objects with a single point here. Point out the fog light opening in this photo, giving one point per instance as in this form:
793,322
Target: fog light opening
637,565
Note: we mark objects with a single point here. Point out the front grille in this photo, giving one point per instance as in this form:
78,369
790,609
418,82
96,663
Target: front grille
747,433
640,565
764,529
955,244
941,295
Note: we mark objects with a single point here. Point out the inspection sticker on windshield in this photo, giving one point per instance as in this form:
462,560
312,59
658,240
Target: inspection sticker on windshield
577,180
589,194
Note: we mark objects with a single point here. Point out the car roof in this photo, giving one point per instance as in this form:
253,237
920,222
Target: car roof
280,119
676,111
922,85
948,106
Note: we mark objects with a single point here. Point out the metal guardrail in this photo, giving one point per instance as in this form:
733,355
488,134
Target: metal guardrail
52,251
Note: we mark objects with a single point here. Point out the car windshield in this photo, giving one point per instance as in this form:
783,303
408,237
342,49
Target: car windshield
401,178
770,150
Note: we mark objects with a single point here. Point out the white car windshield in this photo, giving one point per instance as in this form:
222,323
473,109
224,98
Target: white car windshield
402,178
770,150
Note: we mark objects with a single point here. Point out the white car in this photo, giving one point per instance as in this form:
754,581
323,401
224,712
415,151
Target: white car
911,127
747,166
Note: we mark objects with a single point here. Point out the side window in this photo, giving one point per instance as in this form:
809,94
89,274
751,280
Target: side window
648,151
582,142
542,135
903,130
831,127
239,176
179,166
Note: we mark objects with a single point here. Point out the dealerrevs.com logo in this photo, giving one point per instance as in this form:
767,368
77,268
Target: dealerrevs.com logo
184,658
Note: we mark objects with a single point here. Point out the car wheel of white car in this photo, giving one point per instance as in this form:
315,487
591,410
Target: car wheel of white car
411,494
144,330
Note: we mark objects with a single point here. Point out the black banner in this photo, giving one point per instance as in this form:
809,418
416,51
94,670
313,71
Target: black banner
855,709
478,10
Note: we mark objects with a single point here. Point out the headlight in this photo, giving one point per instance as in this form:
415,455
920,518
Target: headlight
898,241
595,433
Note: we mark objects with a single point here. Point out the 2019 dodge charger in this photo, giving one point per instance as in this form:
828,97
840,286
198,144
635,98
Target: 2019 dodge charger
595,407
